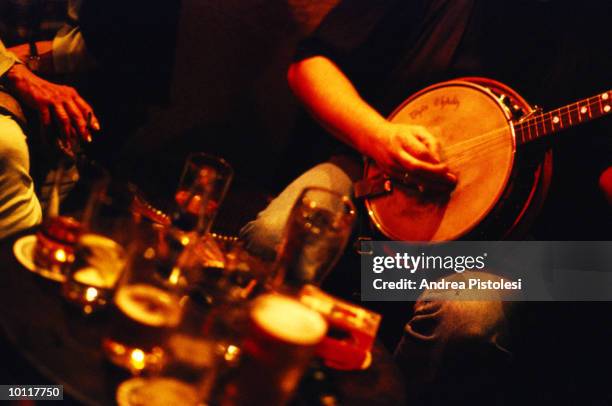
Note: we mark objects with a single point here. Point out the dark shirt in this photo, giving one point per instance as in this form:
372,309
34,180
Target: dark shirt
552,52
133,43
392,48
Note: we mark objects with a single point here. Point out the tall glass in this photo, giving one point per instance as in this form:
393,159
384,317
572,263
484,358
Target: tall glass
199,352
201,190
316,234
202,187
280,340
190,362
147,307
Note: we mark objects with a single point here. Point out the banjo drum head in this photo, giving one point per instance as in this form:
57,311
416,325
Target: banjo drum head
478,145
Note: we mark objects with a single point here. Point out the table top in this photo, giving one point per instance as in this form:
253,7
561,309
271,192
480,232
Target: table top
64,346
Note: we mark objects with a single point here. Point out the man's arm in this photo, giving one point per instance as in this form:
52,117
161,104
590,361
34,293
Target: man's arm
45,54
67,53
52,102
333,100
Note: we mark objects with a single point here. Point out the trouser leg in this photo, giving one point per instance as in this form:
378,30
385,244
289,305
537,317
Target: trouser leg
19,205
263,234
456,350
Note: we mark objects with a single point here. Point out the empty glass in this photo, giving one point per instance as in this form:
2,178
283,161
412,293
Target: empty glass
316,234
201,190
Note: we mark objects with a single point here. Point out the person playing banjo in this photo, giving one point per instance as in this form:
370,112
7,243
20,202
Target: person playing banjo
366,58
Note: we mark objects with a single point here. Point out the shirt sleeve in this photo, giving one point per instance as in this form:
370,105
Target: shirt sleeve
70,54
366,39
7,59
344,29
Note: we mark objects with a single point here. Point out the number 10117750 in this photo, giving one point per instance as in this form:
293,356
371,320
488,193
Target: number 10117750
32,392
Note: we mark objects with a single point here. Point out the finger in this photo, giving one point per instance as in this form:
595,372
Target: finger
412,163
427,172
431,143
45,116
87,112
78,120
63,120
417,149
424,180
428,142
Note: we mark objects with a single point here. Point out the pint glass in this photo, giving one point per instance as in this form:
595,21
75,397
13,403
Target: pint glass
278,346
147,307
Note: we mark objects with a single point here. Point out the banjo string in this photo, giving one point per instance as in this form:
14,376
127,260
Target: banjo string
484,138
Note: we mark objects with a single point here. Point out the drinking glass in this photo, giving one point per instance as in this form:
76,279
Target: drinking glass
218,270
61,229
280,338
101,254
316,234
352,330
202,187
199,351
147,307
201,190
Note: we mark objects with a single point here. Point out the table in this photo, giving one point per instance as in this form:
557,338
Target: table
64,346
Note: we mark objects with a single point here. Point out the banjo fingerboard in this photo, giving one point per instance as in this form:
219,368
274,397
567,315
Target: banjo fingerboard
538,125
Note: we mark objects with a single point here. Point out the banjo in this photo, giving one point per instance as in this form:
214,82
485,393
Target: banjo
483,127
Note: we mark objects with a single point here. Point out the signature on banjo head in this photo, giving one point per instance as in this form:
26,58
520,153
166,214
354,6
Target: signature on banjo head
447,101
440,103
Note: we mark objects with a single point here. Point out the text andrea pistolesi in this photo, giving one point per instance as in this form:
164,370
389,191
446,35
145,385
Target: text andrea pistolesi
457,263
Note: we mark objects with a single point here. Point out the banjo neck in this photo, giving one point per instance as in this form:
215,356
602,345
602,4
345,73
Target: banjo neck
539,124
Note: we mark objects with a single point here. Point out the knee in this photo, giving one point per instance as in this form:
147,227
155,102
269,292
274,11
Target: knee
446,335
263,235
456,321
472,321
331,176
445,319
